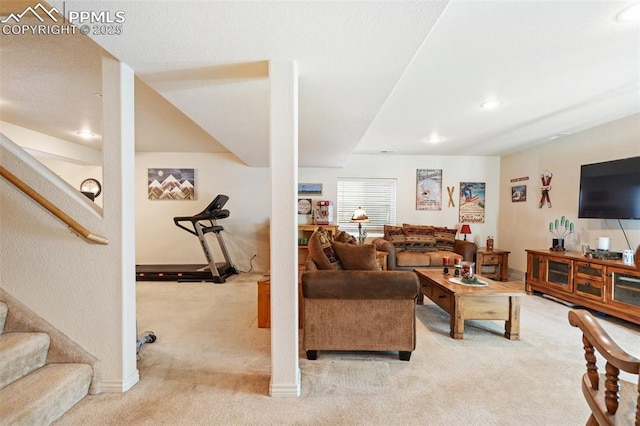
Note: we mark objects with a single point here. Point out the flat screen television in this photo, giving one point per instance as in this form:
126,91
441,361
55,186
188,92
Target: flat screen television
610,190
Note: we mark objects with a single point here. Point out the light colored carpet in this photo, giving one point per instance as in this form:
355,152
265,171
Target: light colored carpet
211,366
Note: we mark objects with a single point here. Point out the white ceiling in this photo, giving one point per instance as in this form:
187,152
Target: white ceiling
374,76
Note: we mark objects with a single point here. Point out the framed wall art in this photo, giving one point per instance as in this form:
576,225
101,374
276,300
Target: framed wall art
309,189
429,189
171,184
518,193
472,199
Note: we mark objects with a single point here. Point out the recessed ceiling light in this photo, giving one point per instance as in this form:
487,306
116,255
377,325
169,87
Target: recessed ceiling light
632,13
85,134
434,138
559,135
491,104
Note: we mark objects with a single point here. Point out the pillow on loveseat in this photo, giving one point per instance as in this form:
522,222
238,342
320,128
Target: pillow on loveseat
395,235
445,238
356,257
419,238
321,251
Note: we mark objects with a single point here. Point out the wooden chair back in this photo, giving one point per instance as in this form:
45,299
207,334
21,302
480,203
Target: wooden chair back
618,401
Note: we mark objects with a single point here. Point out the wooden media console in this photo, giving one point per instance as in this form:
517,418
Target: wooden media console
604,285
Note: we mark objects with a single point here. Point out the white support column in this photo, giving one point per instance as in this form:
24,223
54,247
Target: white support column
283,152
119,200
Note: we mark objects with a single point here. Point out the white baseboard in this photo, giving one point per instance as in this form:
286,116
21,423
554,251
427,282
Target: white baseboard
285,390
119,386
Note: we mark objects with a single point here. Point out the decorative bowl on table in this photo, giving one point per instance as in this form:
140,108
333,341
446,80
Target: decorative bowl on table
468,269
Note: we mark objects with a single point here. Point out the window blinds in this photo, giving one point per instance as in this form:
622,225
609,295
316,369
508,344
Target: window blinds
377,197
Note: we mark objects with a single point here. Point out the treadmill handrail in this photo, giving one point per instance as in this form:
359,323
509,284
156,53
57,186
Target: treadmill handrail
198,218
192,219
179,225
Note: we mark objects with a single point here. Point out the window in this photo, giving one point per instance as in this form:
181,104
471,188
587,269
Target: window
377,197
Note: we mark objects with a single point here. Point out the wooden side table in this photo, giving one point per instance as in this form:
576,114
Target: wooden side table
264,300
493,264
382,259
304,232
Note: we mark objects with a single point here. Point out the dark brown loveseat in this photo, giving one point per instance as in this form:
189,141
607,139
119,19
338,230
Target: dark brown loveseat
352,305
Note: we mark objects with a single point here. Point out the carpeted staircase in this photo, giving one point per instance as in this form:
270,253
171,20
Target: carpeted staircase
33,390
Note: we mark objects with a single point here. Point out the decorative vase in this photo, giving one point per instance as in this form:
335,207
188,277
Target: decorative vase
558,244
489,243
362,236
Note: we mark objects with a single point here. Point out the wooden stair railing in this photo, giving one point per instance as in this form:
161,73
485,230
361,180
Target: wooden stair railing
75,226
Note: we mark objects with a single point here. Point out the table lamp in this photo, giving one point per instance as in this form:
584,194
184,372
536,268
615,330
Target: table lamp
465,229
360,217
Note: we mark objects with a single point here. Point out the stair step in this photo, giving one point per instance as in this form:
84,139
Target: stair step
3,315
44,395
20,354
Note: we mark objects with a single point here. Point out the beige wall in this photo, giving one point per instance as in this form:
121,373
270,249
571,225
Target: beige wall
159,241
523,225
455,169
75,174
44,146
72,162
246,230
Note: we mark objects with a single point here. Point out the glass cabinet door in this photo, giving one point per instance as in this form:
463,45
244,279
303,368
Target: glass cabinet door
625,287
559,274
534,268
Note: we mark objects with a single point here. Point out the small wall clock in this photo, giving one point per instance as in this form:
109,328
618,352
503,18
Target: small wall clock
304,206
91,186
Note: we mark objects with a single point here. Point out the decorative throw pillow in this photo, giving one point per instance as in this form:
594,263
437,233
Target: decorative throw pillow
395,235
355,257
445,238
345,237
321,251
419,237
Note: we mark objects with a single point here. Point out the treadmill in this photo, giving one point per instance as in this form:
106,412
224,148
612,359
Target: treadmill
204,223
199,225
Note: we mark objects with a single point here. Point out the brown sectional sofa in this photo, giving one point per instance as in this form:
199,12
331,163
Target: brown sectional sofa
359,311
350,304
419,246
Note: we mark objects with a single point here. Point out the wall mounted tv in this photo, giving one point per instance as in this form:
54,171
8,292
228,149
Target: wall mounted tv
610,190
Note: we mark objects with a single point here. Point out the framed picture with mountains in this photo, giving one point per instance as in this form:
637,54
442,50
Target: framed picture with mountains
171,184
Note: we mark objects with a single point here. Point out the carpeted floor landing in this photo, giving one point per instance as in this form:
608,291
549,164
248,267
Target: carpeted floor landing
211,366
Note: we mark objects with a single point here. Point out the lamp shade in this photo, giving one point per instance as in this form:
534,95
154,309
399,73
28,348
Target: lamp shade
359,216
465,229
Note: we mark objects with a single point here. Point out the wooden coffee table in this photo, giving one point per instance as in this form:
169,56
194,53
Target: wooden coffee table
496,301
